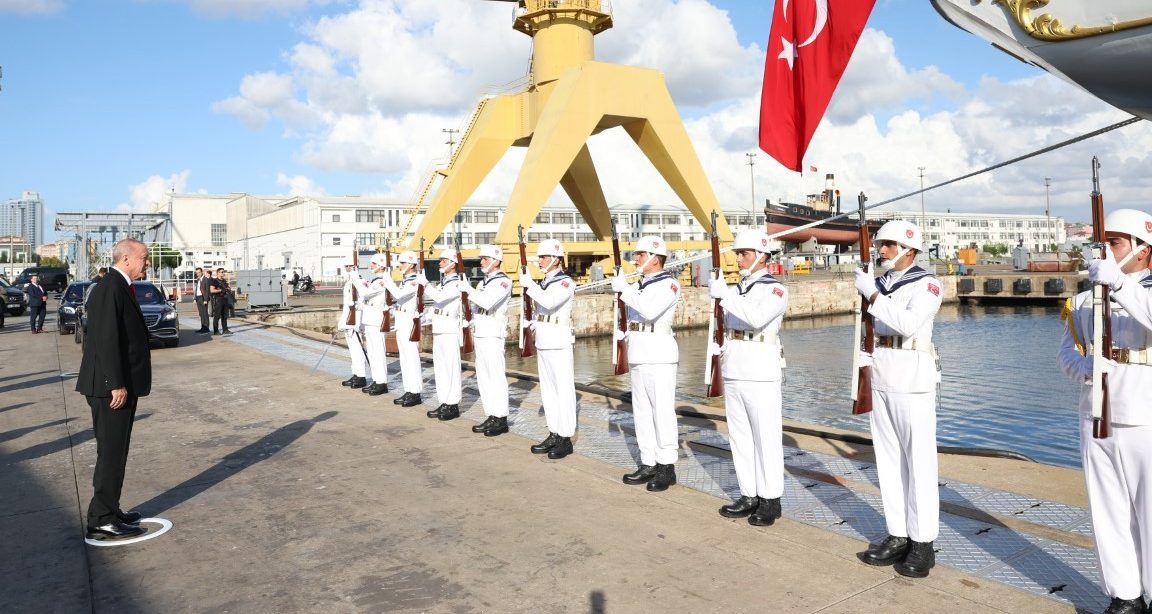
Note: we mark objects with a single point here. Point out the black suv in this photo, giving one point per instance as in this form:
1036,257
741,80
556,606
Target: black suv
52,279
71,304
14,301
159,313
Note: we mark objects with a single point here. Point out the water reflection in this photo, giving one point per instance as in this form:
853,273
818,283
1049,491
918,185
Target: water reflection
1001,389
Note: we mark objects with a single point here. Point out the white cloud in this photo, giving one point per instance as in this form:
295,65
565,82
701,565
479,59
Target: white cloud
243,109
152,193
32,7
299,185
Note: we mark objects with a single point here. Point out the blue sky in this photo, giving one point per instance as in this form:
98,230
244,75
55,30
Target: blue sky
109,106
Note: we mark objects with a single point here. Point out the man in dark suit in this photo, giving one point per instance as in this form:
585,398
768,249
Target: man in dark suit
115,372
203,283
37,303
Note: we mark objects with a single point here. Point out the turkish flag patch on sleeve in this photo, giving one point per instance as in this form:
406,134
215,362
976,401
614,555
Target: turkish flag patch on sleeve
564,284
675,288
504,285
934,289
778,292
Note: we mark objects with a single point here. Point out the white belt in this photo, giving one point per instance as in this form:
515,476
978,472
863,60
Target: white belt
551,319
748,335
446,312
655,327
1128,356
483,312
897,342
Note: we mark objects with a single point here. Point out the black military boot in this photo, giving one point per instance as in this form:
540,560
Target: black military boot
562,448
643,474
449,412
549,442
413,400
665,477
1126,606
483,426
357,382
920,558
887,552
499,427
741,508
767,513
376,389
435,413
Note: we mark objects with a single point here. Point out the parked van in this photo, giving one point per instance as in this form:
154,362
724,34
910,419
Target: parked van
53,279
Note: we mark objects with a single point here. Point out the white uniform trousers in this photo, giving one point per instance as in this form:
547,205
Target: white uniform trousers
755,434
491,378
377,360
446,366
1118,472
654,412
356,353
557,390
904,439
411,370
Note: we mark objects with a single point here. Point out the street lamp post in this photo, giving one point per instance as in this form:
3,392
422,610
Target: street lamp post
1048,210
923,220
752,179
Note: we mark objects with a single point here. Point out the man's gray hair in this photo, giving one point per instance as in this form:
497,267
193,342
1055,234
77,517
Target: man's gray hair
124,247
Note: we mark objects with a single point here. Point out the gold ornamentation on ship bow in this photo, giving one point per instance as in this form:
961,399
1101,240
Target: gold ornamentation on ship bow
1048,28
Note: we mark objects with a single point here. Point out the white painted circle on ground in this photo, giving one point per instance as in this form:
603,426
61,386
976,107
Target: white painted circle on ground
164,523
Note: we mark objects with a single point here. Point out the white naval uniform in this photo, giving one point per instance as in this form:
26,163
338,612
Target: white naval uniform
1118,470
903,418
404,320
752,370
352,333
371,317
489,328
553,326
446,337
652,359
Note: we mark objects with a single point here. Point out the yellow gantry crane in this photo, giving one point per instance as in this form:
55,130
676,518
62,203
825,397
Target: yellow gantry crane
569,97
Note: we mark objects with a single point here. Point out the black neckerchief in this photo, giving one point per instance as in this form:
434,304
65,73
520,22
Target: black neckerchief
914,273
494,277
1147,280
661,276
763,279
444,280
548,282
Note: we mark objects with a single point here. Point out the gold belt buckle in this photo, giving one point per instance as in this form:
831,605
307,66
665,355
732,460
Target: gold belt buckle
1120,355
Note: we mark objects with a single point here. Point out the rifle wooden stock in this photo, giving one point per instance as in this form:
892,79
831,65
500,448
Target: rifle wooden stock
466,345
386,323
351,319
715,379
1101,318
415,336
621,362
862,401
527,336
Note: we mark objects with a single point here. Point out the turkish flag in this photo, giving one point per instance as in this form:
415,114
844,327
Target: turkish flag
808,50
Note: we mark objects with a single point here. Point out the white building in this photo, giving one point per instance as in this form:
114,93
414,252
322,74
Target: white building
952,231
196,227
23,217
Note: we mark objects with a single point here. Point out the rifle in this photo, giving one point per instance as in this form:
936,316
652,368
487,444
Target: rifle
351,320
465,306
1101,318
415,336
527,336
386,323
620,357
861,374
716,324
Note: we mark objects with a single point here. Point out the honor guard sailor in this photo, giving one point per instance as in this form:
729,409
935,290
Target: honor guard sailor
1118,469
751,363
352,332
552,323
404,317
372,315
905,373
447,321
490,327
652,359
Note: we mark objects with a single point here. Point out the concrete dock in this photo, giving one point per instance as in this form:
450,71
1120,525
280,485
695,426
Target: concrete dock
288,493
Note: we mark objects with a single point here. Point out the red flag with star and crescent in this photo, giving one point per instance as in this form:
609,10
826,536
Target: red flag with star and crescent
808,49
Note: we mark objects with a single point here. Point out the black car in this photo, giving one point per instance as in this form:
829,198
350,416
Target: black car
52,279
14,301
159,313
71,303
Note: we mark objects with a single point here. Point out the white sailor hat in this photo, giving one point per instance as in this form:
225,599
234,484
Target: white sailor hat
1131,222
753,239
448,254
550,247
380,259
652,244
408,257
492,251
904,233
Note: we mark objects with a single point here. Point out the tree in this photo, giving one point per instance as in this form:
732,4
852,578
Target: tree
51,261
996,249
163,256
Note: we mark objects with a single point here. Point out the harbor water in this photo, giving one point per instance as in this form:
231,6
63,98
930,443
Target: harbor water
1001,384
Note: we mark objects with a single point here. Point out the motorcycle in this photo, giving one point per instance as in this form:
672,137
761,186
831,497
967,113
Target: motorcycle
304,285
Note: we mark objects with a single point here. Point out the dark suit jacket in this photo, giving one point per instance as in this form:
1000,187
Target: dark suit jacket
205,283
116,352
36,296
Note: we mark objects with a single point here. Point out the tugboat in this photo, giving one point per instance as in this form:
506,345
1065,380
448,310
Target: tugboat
783,217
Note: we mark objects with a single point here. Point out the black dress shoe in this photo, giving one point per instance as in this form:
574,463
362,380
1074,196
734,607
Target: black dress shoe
483,426
641,475
548,443
1126,606
376,389
741,508
766,513
665,477
887,552
402,399
358,382
435,413
499,427
920,558
348,382
114,530
413,400
562,448
449,412
129,517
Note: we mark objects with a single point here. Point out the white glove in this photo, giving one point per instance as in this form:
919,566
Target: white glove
421,279
526,280
864,360
463,286
525,324
715,349
620,284
718,289
865,283
1106,271
617,334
